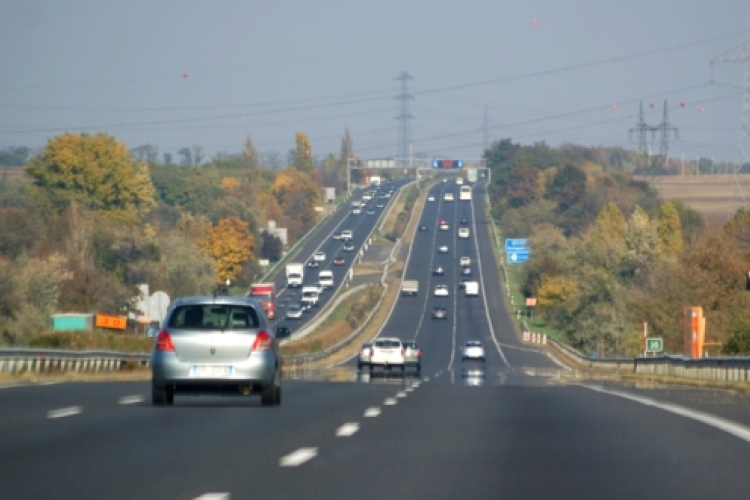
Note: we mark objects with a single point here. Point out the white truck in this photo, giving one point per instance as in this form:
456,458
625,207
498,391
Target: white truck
471,289
375,180
295,274
409,287
325,278
310,295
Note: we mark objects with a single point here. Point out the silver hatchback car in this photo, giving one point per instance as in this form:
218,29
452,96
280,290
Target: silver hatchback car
214,345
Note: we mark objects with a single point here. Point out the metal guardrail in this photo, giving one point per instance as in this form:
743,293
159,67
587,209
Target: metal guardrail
62,360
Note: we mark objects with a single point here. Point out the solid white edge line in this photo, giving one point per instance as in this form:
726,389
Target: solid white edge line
64,412
456,268
129,400
347,429
735,429
299,457
481,275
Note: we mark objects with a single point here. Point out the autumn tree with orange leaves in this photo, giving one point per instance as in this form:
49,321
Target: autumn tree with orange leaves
230,244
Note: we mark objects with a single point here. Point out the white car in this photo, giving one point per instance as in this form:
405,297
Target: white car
441,291
346,234
472,349
430,198
443,225
356,211
443,249
463,232
294,311
445,180
464,261
387,352
448,197
459,181
319,256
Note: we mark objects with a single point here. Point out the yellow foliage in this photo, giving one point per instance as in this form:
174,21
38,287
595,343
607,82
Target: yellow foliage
558,291
230,184
230,244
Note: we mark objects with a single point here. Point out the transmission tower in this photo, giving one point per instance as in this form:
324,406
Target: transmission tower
665,128
650,161
641,130
740,55
404,118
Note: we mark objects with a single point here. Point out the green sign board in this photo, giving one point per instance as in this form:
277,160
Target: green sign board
654,344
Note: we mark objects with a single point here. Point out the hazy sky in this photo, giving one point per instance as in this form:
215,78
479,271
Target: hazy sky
185,72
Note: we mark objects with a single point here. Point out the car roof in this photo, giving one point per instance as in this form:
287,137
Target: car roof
219,299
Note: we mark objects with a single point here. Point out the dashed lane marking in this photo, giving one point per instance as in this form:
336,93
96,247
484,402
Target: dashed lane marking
347,429
64,412
390,401
130,400
213,496
400,394
299,457
372,412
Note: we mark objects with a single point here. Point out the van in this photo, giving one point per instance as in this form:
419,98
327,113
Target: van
325,278
471,289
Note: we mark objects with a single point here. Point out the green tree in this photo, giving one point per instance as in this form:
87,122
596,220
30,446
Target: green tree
303,158
669,231
95,171
250,162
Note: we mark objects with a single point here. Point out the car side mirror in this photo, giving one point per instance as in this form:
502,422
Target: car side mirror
282,331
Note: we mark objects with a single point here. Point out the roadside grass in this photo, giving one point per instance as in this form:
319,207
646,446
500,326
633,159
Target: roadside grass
94,340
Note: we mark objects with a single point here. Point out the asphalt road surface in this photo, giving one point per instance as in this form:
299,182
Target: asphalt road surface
518,426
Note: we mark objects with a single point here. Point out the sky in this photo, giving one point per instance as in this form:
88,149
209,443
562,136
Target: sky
177,73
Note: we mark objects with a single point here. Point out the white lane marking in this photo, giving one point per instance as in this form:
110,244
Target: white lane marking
298,457
426,379
733,428
11,386
390,401
372,412
214,496
408,389
415,384
481,274
51,382
64,412
400,394
347,429
129,400
456,277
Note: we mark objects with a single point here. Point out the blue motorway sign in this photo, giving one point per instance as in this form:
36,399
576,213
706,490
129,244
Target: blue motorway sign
517,250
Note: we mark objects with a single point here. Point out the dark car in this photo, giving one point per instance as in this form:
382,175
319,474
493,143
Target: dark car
339,261
439,312
464,221
187,359
423,228
438,271
348,246
466,271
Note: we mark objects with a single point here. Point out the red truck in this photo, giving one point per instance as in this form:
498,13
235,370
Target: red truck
266,293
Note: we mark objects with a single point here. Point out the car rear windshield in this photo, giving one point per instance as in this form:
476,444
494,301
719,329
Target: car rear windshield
387,344
474,344
214,316
410,345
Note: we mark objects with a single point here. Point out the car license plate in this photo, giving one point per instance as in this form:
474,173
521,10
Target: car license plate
211,371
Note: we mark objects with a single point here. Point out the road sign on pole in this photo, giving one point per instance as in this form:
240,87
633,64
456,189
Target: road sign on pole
654,344
517,250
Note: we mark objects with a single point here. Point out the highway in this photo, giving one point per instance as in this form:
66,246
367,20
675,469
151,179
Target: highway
520,427
361,227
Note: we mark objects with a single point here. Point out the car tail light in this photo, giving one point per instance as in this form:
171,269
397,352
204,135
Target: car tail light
263,341
419,352
164,342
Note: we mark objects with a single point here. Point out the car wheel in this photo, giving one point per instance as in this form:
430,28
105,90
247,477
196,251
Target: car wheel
271,395
419,369
371,369
403,368
161,397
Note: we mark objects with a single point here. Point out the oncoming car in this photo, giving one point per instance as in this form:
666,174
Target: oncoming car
217,344
443,249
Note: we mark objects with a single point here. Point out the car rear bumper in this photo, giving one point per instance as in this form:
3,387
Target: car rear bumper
257,371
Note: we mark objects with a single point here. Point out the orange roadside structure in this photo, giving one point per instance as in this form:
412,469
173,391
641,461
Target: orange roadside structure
694,331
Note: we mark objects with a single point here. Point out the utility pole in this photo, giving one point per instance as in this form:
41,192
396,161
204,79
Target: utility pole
486,130
404,118
740,55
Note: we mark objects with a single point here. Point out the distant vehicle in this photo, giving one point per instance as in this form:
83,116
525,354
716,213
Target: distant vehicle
412,355
466,271
370,212
336,236
464,261
356,211
439,312
409,287
380,205
266,293
367,196
464,221
375,180
448,197
472,349
443,249
295,273
357,204
387,352
423,227
463,232
459,180
310,295
325,278
444,180
438,271
346,234
319,256
462,283
348,246
471,289
464,193
441,291
294,311
339,261
443,225
430,198
192,328
363,356
312,264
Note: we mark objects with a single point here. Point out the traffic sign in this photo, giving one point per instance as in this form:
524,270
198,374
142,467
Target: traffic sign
654,344
517,250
